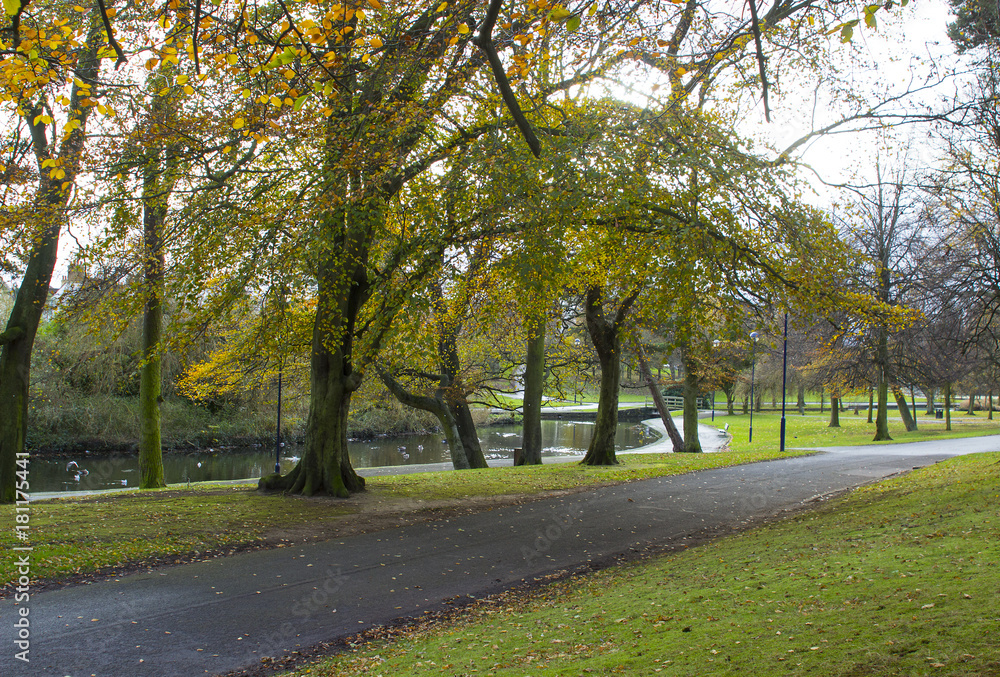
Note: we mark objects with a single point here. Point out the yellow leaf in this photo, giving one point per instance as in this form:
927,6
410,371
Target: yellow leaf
442,7
227,149
151,64
188,89
231,59
463,29
238,123
12,6
376,43
375,4
559,13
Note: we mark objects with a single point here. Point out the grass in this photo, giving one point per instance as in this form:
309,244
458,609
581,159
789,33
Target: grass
898,578
84,535
555,476
812,430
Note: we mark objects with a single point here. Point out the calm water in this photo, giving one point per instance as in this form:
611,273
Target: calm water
558,437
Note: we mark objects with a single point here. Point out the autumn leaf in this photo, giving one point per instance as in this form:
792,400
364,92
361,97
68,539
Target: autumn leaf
12,6
238,123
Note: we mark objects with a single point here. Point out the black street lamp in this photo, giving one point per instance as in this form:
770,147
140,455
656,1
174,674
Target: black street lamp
784,381
277,437
715,344
753,366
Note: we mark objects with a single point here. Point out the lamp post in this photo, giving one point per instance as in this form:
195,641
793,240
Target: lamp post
277,437
715,344
784,381
753,366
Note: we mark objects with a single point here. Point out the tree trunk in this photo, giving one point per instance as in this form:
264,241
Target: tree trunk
822,400
989,405
150,450
801,399
158,185
929,393
692,443
871,403
972,404
882,362
834,412
904,409
437,406
947,405
746,404
534,380
454,393
605,333
661,406
730,400
468,435
882,414
18,338
343,284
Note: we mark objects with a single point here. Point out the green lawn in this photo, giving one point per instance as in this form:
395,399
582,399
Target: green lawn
898,578
813,431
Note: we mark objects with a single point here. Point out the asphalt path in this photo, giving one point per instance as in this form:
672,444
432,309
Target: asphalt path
226,614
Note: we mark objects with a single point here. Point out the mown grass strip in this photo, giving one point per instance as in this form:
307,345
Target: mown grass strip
813,430
898,578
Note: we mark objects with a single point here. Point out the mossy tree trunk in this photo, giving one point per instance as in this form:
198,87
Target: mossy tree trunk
947,405
605,330
871,404
436,405
18,337
455,396
929,394
834,411
150,449
692,443
904,410
661,407
343,287
882,365
801,399
534,381
730,400
159,178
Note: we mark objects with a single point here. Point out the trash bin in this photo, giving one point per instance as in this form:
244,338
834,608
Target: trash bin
518,452
939,413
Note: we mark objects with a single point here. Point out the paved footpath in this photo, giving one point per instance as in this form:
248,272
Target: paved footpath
226,614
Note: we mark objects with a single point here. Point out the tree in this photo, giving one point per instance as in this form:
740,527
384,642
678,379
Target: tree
59,159
888,234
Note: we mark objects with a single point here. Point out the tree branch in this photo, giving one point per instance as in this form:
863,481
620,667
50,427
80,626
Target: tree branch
11,335
111,36
485,42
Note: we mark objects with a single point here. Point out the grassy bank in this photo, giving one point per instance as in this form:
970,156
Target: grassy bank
84,535
898,578
75,422
813,430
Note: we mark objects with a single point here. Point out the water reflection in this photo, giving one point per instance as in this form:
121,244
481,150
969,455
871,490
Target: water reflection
102,472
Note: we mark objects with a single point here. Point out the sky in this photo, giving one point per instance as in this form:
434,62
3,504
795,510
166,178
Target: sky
901,54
